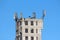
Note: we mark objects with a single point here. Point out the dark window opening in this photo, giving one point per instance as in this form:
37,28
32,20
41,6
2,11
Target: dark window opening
20,33
17,38
32,38
26,22
31,22
26,30
17,23
16,30
32,31
36,38
26,38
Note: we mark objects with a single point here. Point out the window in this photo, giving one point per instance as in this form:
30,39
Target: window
36,30
26,22
26,38
32,38
32,31
36,38
17,38
17,31
20,33
20,22
31,22
26,30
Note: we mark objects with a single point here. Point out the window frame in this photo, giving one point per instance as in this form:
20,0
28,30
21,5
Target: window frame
26,30
36,23
36,38
26,22
32,23
32,38
20,22
32,30
26,37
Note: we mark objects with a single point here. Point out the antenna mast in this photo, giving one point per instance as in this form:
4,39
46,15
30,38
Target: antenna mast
15,17
44,14
21,15
34,15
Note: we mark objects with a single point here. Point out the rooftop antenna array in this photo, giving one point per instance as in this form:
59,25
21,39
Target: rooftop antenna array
21,15
44,14
34,15
15,16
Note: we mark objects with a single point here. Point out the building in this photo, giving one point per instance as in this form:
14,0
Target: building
28,28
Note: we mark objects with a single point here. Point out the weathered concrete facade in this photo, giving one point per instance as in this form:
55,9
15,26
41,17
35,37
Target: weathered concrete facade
28,28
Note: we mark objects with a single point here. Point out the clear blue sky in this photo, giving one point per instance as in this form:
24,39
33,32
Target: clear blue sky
51,29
